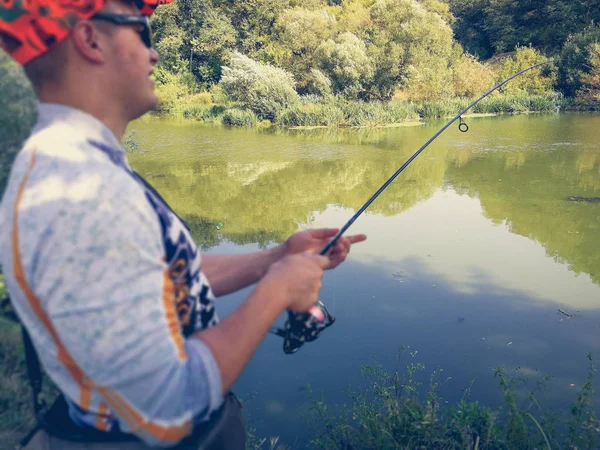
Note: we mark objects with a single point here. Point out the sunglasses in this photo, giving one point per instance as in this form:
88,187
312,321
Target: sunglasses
129,19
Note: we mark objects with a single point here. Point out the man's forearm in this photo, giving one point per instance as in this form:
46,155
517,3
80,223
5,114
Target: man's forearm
230,273
235,339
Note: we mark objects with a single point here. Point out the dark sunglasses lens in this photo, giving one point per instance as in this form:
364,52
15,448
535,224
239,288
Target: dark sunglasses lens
146,36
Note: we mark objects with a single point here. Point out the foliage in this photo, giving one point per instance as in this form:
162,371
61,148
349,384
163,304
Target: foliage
470,77
172,88
538,81
374,49
300,31
346,63
588,95
488,27
576,60
264,89
408,46
239,118
6,309
318,84
17,114
392,414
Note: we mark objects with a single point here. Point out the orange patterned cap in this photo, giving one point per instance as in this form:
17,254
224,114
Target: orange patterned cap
29,28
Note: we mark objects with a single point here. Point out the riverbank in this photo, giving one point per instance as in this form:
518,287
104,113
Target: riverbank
340,113
393,412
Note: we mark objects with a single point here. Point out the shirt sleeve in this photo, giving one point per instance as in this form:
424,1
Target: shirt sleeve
91,249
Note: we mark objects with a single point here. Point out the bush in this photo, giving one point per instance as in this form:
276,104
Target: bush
318,84
575,60
201,113
172,88
588,95
17,113
394,411
346,63
264,89
203,98
535,82
470,77
239,118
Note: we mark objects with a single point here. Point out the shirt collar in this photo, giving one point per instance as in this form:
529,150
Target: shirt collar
49,113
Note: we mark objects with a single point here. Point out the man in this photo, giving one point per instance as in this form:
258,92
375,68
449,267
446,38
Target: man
102,273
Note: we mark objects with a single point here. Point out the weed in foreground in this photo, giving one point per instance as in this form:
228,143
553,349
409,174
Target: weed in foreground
390,414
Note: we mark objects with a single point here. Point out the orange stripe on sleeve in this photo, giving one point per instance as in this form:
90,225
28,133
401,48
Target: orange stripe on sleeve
172,321
133,418
85,398
101,422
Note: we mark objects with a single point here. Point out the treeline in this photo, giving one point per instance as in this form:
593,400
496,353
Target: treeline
375,50
489,27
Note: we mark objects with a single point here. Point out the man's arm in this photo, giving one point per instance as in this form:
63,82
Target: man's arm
292,283
230,273
88,276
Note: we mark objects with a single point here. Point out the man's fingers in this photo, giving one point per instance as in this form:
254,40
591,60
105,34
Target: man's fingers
357,238
346,242
323,233
322,261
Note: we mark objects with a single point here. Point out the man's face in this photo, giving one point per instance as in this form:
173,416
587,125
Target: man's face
130,63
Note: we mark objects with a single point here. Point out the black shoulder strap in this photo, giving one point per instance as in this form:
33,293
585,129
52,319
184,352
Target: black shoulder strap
34,373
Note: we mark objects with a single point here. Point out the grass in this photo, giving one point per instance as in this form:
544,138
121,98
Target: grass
338,112
394,412
391,414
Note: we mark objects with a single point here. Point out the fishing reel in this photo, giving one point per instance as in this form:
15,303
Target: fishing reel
306,327
300,328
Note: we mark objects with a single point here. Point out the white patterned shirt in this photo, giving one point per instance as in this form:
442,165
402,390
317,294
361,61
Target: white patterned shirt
106,279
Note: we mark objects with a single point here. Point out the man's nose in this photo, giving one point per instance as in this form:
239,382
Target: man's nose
154,58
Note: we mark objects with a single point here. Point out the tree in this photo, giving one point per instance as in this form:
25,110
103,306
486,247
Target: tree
576,60
588,95
346,63
264,89
301,31
17,114
406,41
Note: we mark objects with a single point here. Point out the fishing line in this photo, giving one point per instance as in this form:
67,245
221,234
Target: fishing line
464,129
306,327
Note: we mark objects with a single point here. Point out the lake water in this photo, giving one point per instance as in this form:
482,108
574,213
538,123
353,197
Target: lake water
470,254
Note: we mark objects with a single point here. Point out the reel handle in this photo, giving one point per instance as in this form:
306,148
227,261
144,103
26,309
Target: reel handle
317,313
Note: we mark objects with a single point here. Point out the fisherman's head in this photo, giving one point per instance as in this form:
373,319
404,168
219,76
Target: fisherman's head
85,51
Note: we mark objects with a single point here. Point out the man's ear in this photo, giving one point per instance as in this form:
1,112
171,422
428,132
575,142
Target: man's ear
88,42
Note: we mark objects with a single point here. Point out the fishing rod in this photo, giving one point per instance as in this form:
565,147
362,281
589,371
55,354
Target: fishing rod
463,128
306,327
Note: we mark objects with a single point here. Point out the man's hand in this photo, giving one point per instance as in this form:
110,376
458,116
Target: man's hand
315,240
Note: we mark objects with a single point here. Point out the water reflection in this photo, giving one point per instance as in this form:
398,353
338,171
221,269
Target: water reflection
261,185
471,252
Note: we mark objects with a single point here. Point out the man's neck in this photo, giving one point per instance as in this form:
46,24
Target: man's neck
101,110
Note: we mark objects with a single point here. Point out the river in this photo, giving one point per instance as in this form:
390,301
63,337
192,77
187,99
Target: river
471,252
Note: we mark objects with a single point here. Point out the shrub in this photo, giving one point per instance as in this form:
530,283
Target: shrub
17,113
575,60
239,118
202,98
470,77
588,95
395,411
264,89
172,88
346,63
318,84
535,82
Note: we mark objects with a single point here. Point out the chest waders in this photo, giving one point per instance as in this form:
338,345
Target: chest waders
224,430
